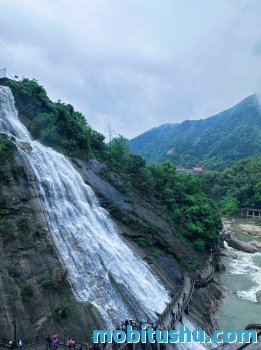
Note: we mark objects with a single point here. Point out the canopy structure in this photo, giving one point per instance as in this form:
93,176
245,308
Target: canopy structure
2,73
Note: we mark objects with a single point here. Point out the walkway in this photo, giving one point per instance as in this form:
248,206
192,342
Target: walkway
179,303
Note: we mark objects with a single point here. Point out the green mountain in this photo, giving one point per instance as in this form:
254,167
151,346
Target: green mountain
215,142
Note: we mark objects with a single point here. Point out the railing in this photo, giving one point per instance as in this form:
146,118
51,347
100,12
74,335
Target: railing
187,299
171,303
40,340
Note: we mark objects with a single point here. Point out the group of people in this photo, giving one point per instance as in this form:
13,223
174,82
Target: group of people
174,314
12,345
53,342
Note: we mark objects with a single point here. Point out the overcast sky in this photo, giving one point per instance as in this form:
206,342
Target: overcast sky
136,64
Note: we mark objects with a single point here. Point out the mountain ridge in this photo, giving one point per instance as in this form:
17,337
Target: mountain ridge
204,141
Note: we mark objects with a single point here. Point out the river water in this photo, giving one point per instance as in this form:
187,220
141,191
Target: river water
243,279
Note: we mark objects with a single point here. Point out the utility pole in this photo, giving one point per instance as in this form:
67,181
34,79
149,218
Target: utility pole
14,324
109,134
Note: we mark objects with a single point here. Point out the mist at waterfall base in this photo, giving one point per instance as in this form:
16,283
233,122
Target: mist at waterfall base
102,269
243,278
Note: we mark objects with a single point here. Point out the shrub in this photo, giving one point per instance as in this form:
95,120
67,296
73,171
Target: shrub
27,292
23,222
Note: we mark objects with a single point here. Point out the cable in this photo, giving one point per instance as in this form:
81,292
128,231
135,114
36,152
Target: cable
10,56
10,75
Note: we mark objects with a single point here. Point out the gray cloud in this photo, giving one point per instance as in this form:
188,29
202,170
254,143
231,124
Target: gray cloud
136,64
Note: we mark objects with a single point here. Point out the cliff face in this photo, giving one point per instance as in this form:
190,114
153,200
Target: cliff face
33,285
131,209
205,300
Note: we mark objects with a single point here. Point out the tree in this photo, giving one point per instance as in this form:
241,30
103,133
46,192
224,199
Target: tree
109,135
120,153
229,205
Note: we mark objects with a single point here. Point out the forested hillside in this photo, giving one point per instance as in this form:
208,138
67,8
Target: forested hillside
237,187
216,142
192,216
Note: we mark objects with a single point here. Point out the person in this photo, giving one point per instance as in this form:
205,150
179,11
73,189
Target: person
10,345
183,297
178,306
55,341
71,343
48,340
20,344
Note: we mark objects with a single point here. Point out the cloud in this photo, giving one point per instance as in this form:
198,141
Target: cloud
136,64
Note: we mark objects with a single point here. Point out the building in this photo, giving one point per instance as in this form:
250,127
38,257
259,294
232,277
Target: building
198,168
3,73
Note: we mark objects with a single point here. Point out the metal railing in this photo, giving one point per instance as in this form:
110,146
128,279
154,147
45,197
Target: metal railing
42,338
29,343
186,301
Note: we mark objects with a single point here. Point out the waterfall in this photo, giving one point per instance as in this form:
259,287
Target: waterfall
102,269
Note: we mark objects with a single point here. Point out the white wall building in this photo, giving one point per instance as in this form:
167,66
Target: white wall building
3,73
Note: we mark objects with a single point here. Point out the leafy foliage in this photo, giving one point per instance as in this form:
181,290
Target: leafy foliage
179,197
54,123
237,187
7,158
215,142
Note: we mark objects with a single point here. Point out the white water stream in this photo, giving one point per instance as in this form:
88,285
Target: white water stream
103,270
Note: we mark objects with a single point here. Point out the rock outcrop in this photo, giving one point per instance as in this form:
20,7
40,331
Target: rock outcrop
237,244
33,285
258,296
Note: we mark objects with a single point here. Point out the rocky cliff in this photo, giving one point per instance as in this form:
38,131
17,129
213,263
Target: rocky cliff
33,285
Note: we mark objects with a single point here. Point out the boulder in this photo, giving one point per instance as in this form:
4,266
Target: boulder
258,296
256,244
242,246
220,266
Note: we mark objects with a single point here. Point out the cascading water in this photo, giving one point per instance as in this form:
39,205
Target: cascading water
242,277
189,325
103,270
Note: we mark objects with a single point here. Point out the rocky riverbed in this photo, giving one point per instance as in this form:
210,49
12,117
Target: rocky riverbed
241,278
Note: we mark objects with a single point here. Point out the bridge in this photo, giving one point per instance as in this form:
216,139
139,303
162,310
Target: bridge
251,213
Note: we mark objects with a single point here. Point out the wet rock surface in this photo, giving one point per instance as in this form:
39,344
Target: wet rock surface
258,296
33,285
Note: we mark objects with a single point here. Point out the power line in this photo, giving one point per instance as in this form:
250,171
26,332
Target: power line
10,75
10,56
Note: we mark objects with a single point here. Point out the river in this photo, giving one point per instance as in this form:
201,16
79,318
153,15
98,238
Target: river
243,279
